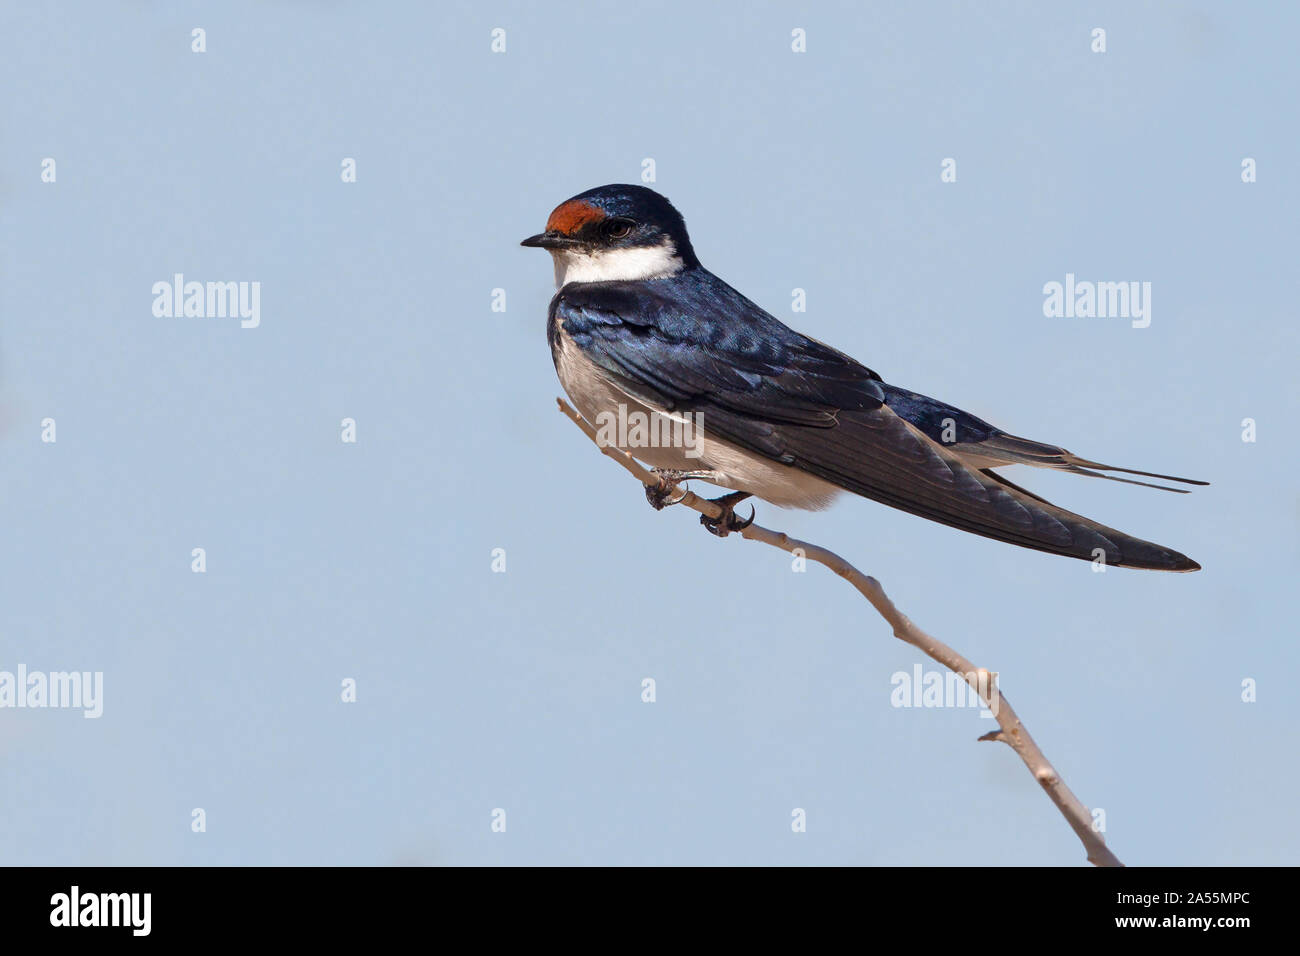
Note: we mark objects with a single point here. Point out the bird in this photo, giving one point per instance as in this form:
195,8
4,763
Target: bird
639,327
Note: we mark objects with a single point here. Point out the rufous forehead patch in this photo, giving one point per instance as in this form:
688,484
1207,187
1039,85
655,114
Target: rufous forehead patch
571,216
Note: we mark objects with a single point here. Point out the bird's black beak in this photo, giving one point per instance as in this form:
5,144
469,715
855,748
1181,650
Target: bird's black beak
549,240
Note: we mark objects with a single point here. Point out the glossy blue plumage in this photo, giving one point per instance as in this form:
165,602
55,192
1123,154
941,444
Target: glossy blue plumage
688,342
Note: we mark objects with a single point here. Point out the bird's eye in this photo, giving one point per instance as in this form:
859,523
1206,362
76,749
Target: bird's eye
618,228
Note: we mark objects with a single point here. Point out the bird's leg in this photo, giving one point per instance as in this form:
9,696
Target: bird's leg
727,522
660,495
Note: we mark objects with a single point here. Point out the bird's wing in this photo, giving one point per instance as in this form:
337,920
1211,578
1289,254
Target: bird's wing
769,390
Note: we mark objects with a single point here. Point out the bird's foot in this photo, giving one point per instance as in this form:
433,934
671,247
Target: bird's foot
660,495
728,522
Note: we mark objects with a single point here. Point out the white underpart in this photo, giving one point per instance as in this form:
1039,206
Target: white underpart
732,467
616,265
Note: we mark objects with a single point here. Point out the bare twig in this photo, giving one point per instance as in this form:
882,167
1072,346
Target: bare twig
983,682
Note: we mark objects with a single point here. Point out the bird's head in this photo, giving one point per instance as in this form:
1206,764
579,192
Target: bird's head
615,233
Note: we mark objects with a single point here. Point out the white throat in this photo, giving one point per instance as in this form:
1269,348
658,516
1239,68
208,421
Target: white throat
616,265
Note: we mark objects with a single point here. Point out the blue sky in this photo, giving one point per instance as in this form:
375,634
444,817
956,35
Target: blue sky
372,561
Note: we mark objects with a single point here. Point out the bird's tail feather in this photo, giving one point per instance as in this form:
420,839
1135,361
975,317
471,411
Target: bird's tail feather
1130,481
1022,451
1085,463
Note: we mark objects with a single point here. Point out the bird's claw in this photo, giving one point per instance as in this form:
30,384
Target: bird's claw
728,521
660,495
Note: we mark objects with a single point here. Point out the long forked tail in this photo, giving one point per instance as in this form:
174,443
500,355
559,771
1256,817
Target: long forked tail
1011,449
1081,466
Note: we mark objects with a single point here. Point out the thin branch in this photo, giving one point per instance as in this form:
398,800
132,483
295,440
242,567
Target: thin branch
1012,731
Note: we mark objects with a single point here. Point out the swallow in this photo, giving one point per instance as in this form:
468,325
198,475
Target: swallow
639,326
